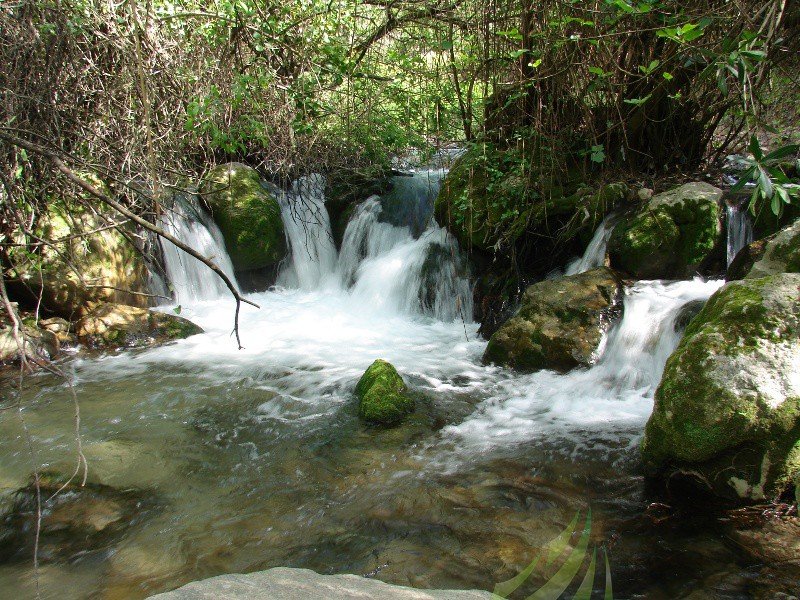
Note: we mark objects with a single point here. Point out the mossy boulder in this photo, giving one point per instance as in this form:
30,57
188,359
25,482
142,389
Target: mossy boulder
118,325
493,198
248,215
781,254
560,323
727,411
671,236
382,395
95,256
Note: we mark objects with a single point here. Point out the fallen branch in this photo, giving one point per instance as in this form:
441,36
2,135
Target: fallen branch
90,189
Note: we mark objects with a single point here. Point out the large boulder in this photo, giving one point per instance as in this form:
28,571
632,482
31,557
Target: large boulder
560,323
492,198
727,411
248,215
382,395
671,236
94,255
119,325
780,254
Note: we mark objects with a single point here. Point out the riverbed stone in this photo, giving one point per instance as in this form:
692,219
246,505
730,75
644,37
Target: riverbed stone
727,410
302,584
560,323
75,517
382,395
248,215
119,325
673,234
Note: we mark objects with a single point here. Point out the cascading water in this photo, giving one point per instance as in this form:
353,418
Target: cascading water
190,279
595,254
740,230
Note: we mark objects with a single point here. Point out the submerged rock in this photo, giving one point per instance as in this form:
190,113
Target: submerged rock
560,324
300,584
248,215
727,411
671,236
382,395
75,519
128,326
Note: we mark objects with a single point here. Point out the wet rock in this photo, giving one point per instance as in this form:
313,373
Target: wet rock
727,411
118,325
382,395
560,323
671,236
300,584
745,259
248,215
75,519
688,312
61,328
781,254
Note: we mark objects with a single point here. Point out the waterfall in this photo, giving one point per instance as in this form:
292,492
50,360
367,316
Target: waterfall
595,254
191,280
740,230
308,231
592,407
381,265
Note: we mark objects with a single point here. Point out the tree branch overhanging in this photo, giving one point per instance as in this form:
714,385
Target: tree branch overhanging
90,189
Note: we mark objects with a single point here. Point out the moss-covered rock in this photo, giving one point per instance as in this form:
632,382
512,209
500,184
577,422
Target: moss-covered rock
248,215
781,254
118,325
671,236
492,198
382,395
560,323
95,256
727,411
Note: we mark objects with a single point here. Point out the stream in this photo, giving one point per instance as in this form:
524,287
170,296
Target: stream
256,457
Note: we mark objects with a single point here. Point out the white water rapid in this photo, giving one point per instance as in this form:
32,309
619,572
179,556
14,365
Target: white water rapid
387,294
740,230
595,254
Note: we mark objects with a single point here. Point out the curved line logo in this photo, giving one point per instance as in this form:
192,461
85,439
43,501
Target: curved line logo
550,554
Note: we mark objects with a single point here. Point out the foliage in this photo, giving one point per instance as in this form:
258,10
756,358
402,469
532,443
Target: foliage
765,171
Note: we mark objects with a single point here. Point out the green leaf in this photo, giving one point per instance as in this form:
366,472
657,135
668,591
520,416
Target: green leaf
667,76
755,148
177,310
637,101
783,152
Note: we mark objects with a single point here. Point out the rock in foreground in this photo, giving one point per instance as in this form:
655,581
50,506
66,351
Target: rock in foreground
382,395
560,323
302,584
727,411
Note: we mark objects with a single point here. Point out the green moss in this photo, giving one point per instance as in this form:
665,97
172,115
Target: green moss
382,395
248,216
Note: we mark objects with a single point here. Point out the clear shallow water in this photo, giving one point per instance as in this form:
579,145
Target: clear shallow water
256,457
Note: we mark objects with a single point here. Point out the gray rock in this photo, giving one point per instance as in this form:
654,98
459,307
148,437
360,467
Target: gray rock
301,584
